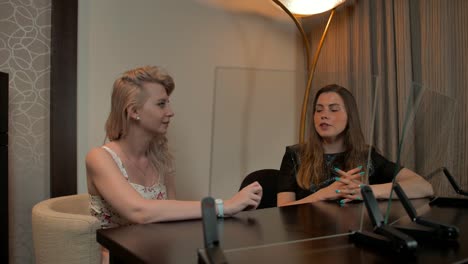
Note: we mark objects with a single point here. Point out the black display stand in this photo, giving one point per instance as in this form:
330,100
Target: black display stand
454,183
402,239
383,237
426,230
451,201
212,253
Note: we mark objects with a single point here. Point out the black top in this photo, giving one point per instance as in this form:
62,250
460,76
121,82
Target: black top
381,170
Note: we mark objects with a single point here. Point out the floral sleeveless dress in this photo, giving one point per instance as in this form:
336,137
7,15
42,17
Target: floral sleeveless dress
106,214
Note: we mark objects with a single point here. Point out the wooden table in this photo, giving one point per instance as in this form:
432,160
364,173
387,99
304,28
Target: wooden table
294,234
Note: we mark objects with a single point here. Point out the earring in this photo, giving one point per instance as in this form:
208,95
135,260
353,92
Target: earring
137,118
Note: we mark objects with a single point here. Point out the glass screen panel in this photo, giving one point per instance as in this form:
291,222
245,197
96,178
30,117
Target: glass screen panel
256,114
426,135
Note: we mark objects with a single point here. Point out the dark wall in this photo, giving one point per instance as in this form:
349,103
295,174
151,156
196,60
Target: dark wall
4,166
63,102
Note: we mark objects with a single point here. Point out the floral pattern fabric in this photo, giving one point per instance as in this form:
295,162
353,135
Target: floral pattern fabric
106,214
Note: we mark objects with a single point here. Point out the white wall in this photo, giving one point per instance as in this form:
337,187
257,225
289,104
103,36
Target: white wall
190,40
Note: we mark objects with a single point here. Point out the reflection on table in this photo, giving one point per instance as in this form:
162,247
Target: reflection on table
294,234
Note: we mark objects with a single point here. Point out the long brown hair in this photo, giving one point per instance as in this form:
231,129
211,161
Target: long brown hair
128,92
312,168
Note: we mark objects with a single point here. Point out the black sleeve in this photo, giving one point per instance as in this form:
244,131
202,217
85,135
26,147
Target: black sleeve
384,170
287,175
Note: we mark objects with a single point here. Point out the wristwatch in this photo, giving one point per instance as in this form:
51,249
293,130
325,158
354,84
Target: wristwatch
220,207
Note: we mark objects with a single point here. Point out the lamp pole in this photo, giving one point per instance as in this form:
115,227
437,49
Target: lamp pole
310,67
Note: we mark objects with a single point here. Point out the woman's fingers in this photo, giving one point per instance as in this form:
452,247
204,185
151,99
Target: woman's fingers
349,183
253,202
254,187
355,170
340,172
346,191
352,177
350,198
257,198
353,173
246,199
254,195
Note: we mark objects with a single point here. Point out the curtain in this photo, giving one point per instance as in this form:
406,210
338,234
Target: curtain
415,52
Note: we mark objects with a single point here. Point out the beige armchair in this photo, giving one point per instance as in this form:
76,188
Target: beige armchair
64,231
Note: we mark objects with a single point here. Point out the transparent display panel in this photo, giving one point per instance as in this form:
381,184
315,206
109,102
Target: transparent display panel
256,115
426,133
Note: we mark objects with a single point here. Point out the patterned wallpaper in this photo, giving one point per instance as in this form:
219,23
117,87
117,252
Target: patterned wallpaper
25,55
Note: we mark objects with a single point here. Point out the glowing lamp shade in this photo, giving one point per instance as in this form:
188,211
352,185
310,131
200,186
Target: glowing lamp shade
310,7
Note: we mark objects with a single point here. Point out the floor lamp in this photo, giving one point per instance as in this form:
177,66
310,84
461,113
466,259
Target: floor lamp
297,9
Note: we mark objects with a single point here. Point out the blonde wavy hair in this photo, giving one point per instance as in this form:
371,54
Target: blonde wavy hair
128,93
312,168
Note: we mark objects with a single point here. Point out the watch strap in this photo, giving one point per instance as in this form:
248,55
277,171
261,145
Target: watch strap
219,207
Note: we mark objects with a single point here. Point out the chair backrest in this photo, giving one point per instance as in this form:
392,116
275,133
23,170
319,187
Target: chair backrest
64,231
268,180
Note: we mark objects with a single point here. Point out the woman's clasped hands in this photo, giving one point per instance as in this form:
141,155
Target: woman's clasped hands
346,188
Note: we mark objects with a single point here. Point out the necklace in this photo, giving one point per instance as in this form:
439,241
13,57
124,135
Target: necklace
133,164
143,172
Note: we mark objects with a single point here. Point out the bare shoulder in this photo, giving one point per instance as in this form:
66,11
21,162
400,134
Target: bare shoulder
95,154
98,159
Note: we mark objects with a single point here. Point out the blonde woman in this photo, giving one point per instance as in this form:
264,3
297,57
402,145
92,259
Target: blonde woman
131,178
